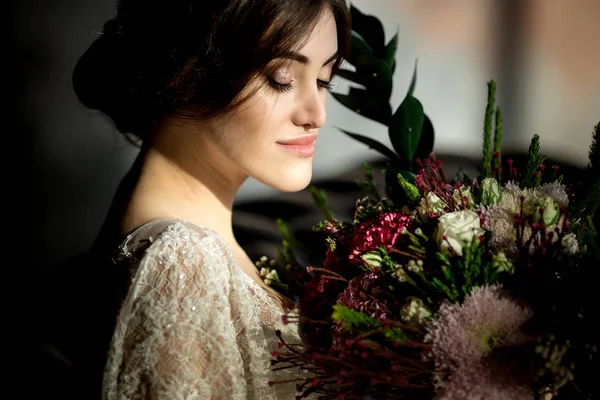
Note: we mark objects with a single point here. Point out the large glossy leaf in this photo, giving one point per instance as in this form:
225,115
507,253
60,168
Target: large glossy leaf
426,141
413,81
389,55
370,28
378,75
360,45
352,76
366,103
408,175
406,126
372,69
375,145
374,74
358,49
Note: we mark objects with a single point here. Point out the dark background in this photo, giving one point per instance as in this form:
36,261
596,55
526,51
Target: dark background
56,210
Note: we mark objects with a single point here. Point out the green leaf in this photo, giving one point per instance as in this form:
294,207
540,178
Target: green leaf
390,51
283,230
486,162
410,191
370,28
427,140
359,45
374,74
408,175
375,79
353,320
393,188
406,124
352,76
590,238
590,198
405,128
413,81
378,77
319,197
360,51
368,185
286,255
531,177
366,104
369,68
374,144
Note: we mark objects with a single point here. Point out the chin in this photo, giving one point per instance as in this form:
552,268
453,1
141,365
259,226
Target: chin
293,180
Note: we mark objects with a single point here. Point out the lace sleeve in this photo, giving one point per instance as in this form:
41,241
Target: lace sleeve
176,335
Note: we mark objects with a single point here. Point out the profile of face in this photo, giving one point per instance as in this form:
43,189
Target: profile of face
271,136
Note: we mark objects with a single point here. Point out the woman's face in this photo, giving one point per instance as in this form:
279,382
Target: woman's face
271,137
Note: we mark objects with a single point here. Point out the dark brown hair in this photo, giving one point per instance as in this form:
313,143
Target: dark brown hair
191,57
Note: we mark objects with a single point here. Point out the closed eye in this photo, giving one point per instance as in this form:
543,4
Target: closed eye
278,86
324,84
286,87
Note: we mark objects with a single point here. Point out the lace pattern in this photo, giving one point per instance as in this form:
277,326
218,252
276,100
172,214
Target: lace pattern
193,325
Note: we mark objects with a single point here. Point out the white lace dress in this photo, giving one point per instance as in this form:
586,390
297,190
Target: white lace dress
193,325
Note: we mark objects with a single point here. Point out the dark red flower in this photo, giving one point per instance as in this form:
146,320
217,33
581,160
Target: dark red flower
332,262
366,293
316,306
380,231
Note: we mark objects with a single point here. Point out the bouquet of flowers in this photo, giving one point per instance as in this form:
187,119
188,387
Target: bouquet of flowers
464,288
476,288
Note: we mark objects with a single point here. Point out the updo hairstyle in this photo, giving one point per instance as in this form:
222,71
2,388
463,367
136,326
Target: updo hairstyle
191,58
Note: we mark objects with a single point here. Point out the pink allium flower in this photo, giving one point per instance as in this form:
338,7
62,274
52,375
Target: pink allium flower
467,341
381,231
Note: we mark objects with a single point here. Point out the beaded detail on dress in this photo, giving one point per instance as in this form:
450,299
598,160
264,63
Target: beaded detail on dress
193,325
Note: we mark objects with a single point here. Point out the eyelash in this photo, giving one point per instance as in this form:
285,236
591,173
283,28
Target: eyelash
286,87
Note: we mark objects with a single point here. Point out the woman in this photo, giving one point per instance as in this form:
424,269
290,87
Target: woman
215,92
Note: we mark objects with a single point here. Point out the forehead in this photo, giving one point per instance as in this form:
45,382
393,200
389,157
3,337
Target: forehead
321,43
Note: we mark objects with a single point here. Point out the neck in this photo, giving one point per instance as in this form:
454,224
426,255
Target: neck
195,183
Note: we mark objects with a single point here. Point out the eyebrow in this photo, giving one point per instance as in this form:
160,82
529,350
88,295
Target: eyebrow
302,59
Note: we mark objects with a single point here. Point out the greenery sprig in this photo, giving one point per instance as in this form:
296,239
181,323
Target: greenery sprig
410,131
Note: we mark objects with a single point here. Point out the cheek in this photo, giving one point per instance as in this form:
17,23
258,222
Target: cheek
254,128
265,120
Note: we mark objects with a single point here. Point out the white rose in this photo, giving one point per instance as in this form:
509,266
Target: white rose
431,204
457,229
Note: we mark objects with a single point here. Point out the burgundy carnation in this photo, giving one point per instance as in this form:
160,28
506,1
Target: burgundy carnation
380,231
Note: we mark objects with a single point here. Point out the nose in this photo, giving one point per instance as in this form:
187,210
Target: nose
311,111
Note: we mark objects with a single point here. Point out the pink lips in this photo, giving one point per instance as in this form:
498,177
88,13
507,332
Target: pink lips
303,146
